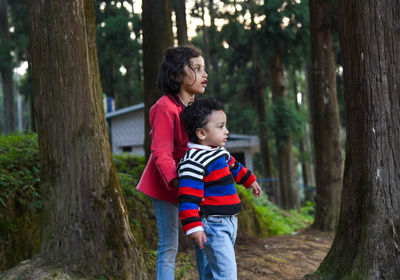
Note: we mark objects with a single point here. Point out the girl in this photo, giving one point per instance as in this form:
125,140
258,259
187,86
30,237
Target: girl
182,77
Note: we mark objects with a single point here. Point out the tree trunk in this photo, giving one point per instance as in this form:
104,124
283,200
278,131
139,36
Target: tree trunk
6,71
213,45
206,51
286,164
181,26
258,87
86,227
157,36
325,117
302,149
366,245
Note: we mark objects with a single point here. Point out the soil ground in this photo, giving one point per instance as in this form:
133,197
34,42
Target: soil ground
285,257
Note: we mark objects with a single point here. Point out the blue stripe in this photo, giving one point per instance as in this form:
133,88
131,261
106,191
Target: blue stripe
217,165
184,182
220,190
187,206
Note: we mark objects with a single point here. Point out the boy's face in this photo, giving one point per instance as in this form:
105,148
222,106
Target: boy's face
215,133
195,77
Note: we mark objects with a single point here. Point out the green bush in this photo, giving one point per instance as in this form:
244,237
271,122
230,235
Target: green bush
20,202
262,218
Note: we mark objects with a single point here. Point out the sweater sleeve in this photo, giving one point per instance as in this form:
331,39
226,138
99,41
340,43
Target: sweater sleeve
240,173
190,194
162,142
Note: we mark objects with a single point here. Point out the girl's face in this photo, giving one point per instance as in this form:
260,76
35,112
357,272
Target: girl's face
195,77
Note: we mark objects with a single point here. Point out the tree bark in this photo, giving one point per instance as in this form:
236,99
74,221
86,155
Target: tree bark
302,147
286,163
86,227
206,50
181,26
157,36
258,88
325,117
213,45
366,245
6,69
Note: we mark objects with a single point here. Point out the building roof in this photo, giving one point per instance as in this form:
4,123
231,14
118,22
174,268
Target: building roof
125,110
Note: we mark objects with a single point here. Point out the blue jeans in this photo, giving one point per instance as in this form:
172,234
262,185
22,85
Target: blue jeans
168,237
219,261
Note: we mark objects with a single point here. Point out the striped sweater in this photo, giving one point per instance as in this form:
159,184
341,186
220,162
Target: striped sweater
204,173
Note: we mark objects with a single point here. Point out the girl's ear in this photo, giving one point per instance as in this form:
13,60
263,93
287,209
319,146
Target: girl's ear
177,78
201,133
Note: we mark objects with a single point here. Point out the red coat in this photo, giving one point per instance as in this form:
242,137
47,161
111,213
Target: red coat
168,146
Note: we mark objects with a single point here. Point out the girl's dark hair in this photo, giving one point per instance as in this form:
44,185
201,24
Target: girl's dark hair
196,115
171,71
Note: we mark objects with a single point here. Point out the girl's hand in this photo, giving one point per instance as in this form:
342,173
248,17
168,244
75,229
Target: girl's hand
256,189
175,183
199,237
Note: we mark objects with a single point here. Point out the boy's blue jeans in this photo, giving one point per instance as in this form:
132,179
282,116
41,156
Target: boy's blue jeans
168,237
217,260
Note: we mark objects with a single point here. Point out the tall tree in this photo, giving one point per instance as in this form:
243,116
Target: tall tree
284,140
258,88
325,116
367,241
6,69
181,26
85,226
157,36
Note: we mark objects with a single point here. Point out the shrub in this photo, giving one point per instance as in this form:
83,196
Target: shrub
20,202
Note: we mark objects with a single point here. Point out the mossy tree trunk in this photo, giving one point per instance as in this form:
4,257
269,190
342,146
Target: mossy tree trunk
366,245
289,197
157,36
85,226
325,117
6,69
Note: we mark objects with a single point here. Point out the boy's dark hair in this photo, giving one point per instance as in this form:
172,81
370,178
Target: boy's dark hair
196,115
171,70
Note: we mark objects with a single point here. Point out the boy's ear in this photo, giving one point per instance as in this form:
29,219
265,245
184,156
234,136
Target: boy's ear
201,133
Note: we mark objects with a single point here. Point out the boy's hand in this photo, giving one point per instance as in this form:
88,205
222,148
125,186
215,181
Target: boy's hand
256,189
199,237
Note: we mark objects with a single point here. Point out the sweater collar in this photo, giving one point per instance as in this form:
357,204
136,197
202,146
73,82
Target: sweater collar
201,147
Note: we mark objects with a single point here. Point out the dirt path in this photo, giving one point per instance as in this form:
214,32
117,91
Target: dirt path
287,257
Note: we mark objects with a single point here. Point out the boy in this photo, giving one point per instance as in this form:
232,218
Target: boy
208,202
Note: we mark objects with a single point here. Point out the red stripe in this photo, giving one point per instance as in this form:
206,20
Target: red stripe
242,172
192,225
190,191
221,200
217,174
250,181
232,161
188,214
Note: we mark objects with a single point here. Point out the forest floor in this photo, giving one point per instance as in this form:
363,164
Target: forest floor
285,257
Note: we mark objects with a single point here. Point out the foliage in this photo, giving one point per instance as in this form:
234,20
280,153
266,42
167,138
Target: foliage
20,204
285,120
118,32
20,220
19,170
267,218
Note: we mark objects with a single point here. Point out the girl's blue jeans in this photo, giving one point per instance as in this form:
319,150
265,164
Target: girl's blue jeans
217,260
168,237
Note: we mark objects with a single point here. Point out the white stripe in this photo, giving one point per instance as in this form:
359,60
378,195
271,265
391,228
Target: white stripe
189,165
191,174
198,228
